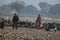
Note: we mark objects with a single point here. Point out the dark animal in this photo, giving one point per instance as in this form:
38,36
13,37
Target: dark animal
51,26
24,24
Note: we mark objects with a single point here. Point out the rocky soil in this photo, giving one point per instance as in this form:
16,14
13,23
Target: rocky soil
28,34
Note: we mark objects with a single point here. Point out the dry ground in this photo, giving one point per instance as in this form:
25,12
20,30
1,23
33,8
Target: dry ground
28,34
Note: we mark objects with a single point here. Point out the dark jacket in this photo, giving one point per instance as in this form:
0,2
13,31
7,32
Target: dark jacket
2,24
15,18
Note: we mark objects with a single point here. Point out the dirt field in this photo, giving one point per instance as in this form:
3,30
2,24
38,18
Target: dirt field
28,34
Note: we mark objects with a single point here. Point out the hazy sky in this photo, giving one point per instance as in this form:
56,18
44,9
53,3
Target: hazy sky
31,2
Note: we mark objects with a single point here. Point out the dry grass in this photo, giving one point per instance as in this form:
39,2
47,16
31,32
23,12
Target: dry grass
28,34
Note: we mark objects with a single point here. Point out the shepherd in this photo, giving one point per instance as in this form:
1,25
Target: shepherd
38,21
15,20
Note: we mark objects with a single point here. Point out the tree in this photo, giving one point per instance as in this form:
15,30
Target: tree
44,8
17,6
55,10
12,6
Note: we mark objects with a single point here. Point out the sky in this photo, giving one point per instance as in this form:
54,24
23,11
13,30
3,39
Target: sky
31,2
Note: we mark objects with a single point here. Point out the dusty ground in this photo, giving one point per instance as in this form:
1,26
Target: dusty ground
28,34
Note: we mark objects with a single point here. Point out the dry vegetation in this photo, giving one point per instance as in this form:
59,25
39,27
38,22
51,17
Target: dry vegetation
28,34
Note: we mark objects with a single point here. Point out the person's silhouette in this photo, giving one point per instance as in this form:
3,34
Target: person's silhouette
38,21
15,20
2,23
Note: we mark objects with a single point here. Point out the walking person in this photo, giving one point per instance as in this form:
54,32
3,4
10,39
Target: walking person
15,20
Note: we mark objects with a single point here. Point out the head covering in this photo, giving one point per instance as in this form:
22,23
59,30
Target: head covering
14,13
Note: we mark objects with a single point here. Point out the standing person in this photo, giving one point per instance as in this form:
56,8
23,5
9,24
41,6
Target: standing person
38,21
2,23
15,20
